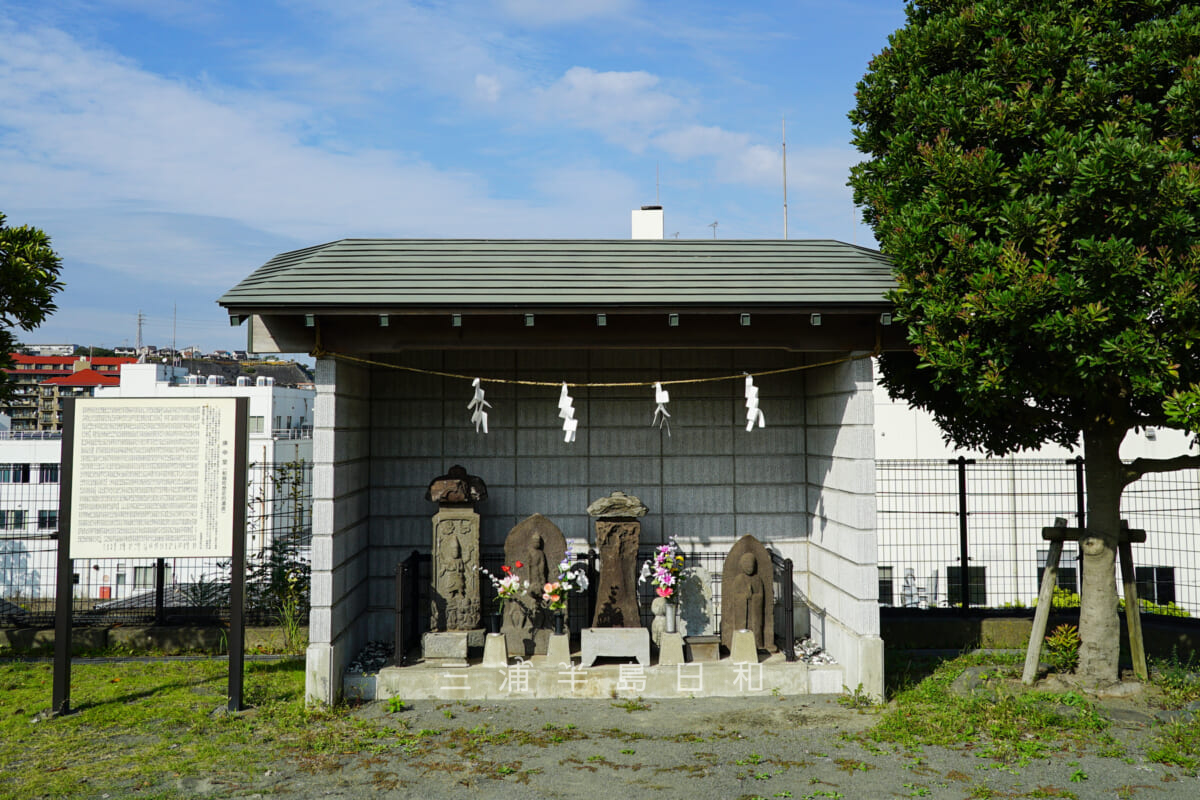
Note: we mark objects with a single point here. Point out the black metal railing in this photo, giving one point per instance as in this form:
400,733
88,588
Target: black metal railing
157,590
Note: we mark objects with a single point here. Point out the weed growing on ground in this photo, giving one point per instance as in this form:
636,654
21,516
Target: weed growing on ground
633,705
1009,728
857,699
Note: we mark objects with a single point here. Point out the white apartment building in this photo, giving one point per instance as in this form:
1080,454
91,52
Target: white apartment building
280,449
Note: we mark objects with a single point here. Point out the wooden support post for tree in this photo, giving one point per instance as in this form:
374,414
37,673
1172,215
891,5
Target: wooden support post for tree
1133,609
1055,536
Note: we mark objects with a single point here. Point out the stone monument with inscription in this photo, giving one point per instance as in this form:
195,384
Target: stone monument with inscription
454,594
748,593
537,545
618,533
696,602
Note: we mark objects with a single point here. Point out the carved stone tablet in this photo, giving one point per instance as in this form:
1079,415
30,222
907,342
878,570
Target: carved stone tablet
696,602
454,595
616,589
748,593
538,544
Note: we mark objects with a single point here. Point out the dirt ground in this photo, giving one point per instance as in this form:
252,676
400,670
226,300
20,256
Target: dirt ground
726,748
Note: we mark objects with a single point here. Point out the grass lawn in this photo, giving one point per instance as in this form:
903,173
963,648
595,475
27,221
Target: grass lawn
147,728
136,722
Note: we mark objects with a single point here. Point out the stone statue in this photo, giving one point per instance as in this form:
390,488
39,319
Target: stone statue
454,594
747,596
455,600
538,545
658,625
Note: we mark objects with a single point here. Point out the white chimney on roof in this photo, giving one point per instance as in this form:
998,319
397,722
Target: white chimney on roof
648,222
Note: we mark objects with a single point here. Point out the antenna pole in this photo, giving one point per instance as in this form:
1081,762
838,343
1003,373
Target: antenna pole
657,200
714,227
785,214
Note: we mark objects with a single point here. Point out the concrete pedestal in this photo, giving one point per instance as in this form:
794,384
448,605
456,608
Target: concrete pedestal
743,649
558,651
495,653
670,650
615,643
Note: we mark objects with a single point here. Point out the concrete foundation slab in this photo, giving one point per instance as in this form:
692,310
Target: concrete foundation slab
538,678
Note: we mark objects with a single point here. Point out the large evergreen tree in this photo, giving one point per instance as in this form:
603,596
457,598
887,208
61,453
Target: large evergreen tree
1033,171
28,282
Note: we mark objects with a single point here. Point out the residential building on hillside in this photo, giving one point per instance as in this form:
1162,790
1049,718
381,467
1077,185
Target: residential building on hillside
280,452
36,404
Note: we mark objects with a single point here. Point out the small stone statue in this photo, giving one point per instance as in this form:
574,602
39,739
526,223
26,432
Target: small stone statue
535,543
748,601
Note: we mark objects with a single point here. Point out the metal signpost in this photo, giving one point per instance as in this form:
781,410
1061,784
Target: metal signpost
150,478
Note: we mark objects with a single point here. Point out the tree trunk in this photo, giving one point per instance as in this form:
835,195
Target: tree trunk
1099,624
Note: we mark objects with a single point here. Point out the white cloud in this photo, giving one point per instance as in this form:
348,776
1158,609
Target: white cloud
487,87
737,158
620,105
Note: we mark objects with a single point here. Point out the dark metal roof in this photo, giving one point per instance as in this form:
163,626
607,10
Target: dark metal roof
410,274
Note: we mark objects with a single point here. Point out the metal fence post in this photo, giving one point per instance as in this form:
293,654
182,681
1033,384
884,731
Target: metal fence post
963,555
789,617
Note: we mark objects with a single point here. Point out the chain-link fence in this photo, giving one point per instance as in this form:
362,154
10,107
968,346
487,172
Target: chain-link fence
949,528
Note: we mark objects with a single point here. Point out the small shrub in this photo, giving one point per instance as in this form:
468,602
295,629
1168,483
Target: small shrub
1061,650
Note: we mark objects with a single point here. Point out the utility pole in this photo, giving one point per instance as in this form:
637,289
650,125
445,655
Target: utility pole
713,225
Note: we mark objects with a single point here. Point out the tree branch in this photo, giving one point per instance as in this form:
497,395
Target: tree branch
1143,466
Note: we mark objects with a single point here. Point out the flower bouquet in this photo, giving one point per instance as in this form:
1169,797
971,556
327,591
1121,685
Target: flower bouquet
571,577
508,587
663,571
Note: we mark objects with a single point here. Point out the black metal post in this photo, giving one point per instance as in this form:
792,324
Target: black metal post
963,555
592,556
402,579
64,605
789,618
237,583
160,574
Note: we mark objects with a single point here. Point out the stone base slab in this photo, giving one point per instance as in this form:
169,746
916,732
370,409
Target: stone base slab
703,648
615,643
445,648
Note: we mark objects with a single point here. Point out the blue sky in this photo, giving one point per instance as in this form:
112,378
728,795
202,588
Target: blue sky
170,147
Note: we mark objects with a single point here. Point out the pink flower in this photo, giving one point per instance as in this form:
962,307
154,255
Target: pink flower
664,591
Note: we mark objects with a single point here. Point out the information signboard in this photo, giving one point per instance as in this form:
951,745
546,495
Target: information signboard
153,478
